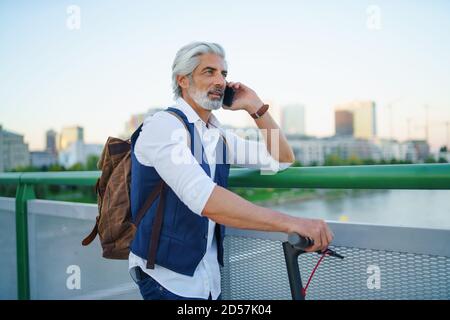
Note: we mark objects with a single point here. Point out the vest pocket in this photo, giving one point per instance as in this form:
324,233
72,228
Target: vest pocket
182,256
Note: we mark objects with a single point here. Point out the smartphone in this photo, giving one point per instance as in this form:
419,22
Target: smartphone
228,97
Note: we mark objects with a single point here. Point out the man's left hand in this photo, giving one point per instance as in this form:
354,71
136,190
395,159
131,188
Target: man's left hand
244,98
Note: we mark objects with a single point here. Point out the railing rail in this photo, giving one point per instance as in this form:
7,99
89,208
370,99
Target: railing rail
411,176
416,176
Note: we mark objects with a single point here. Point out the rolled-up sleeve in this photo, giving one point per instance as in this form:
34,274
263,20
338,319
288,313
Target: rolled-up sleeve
252,154
162,144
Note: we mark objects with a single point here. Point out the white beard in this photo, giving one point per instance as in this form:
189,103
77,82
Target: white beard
202,99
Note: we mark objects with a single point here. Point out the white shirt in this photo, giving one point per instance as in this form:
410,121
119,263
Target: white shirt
163,145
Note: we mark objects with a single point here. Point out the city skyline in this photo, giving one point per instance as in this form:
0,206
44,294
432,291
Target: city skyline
315,54
76,132
245,123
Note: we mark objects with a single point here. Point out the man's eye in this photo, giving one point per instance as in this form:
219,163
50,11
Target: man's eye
209,71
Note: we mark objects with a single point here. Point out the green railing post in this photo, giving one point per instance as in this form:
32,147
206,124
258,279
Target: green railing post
24,193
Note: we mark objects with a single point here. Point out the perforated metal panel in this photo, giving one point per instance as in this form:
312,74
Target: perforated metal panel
256,269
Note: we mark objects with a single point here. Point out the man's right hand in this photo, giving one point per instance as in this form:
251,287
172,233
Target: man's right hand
314,229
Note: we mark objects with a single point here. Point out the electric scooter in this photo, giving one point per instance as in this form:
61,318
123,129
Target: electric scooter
292,248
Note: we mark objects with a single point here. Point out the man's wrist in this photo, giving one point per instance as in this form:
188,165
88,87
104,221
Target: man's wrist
252,108
260,112
287,223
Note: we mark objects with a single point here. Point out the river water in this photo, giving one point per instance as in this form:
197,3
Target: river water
412,208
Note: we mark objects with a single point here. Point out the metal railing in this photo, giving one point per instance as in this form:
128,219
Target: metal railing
411,263
418,176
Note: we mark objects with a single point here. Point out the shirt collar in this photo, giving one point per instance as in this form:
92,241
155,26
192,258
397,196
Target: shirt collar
192,116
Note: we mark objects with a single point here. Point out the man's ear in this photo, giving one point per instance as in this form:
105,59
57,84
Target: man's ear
183,81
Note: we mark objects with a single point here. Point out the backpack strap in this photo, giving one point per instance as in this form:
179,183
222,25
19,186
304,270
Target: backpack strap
185,126
86,241
148,202
156,228
160,189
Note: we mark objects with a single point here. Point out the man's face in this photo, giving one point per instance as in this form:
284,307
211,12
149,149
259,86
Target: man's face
207,83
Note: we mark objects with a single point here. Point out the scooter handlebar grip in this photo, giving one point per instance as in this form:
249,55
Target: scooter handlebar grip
299,241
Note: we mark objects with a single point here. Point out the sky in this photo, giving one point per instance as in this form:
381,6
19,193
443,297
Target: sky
316,53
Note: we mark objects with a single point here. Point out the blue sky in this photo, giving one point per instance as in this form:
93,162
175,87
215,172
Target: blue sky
318,53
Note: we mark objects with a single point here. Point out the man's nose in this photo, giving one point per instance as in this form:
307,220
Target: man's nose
219,81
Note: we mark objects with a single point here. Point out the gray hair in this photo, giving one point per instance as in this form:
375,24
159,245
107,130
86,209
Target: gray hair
187,59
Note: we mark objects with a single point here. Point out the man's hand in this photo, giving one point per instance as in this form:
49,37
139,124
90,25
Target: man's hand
244,98
276,142
314,229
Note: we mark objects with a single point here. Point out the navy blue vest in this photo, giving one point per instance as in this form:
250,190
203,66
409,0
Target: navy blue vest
183,238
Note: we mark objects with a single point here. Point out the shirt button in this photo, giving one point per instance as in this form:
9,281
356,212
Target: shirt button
206,236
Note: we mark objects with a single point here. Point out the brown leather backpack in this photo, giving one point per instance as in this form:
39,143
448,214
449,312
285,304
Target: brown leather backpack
114,223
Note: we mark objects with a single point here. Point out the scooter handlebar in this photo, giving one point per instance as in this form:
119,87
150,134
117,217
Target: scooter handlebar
299,242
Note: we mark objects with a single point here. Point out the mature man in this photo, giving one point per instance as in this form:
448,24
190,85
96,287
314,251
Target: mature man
185,264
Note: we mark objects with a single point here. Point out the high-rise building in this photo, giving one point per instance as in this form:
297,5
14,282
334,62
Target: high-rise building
13,151
389,149
70,135
309,150
78,152
422,149
40,159
50,142
343,122
293,119
364,119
